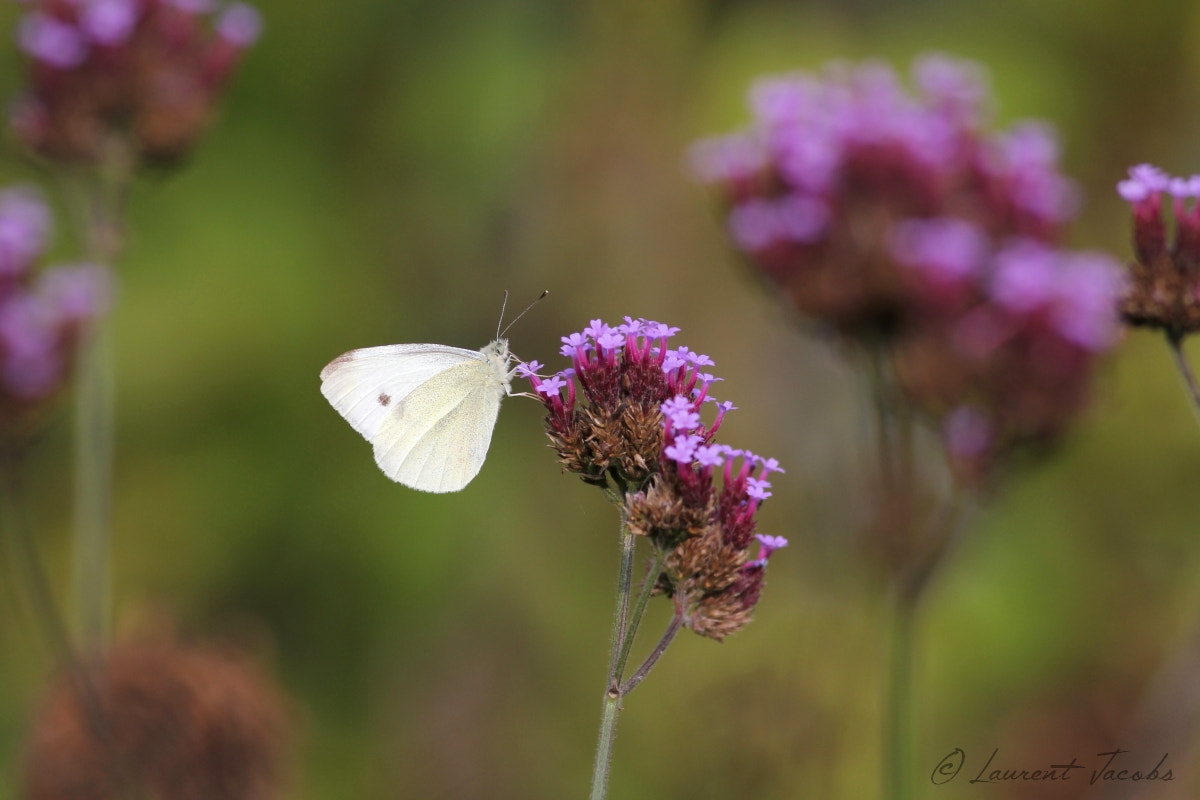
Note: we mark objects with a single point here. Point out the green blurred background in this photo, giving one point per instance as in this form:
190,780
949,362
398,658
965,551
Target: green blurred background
383,170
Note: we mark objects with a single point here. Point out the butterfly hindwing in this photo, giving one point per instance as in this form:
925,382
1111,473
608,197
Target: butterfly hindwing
437,437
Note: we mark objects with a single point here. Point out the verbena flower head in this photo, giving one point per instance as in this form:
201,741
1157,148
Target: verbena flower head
635,416
43,315
833,163
1163,286
897,219
144,72
1014,365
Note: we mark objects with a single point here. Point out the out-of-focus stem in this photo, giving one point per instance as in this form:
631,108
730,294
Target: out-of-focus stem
903,555
100,199
24,553
14,528
93,487
898,735
885,433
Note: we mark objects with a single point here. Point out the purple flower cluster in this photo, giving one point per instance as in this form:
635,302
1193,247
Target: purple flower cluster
896,218
628,415
1010,359
42,316
1163,286
146,70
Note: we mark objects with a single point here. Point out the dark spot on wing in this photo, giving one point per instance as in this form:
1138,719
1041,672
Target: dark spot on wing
384,399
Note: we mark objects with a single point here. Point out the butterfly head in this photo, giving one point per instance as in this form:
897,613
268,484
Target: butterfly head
497,350
497,356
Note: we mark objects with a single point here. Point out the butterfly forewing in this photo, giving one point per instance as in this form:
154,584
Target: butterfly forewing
364,385
436,439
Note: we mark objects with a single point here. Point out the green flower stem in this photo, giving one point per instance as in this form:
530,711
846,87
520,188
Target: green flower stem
621,613
672,628
24,555
638,610
625,627
93,487
885,427
99,202
612,694
608,732
15,530
1175,341
898,726
905,558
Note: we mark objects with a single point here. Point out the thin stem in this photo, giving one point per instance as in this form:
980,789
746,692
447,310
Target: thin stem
15,527
639,609
897,736
884,420
612,694
608,732
100,199
906,566
93,487
669,634
620,630
1175,341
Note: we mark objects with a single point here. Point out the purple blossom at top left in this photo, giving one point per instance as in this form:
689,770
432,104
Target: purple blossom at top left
144,74
44,315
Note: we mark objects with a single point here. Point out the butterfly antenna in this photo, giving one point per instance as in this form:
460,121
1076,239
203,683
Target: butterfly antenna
499,322
537,300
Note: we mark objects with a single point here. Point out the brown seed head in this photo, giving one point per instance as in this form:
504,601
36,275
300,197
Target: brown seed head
158,720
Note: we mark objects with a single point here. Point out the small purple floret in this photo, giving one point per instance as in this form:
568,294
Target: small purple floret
710,455
24,226
945,249
683,449
529,369
108,22
551,385
757,488
52,41
240,24
1025,276
769,544
967,432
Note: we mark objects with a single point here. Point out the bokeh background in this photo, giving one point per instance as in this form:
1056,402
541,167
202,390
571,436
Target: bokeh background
382,171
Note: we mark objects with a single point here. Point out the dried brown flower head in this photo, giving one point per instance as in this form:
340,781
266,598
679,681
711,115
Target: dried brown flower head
158,719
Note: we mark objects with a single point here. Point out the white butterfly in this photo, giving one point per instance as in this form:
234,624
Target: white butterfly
427,409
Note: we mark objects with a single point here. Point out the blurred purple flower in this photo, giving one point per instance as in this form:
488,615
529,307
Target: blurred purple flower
24,227
108,22
51,41
146,72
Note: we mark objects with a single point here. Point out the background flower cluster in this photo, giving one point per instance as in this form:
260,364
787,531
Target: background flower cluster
44,313
901,221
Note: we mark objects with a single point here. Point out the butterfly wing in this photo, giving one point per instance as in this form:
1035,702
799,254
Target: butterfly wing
364,385
437,437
